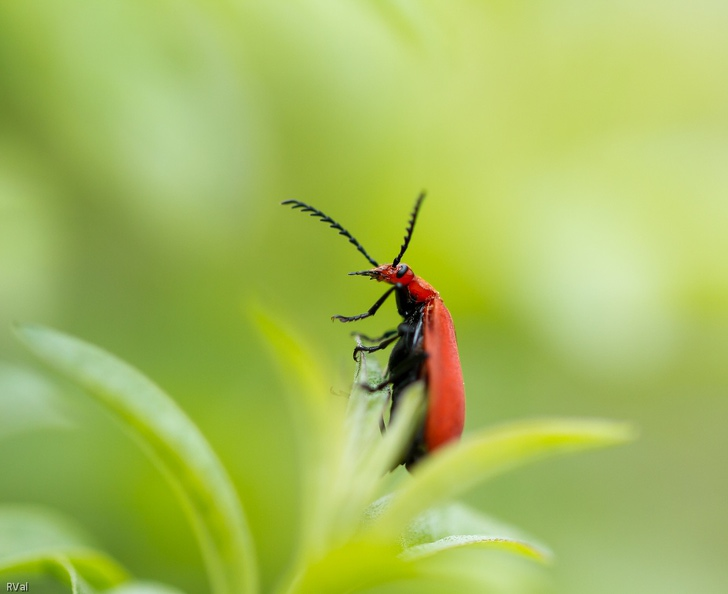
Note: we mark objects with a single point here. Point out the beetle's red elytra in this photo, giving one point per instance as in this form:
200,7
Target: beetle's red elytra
425,346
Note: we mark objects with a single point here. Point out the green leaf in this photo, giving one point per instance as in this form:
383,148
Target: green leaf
471,540
59,566
457,468
457,525
345,457
355,566
373,453
38,541
368,455
172,440
299,365
318,419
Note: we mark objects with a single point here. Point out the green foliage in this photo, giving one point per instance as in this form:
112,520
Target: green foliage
574,157
173,441
362,528
38,541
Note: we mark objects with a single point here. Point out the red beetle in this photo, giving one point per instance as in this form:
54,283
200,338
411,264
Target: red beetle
425,347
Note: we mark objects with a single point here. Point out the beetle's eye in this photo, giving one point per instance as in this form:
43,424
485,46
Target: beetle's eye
402,270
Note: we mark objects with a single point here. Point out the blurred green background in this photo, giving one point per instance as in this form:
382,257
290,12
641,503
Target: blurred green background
576,225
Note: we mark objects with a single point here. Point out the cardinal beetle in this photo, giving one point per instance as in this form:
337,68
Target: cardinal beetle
425,343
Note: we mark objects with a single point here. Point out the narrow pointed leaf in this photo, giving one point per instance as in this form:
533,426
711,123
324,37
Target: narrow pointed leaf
172,440
459,467
473,541
318,423
456,525
362,469
410,410
33,539
58,566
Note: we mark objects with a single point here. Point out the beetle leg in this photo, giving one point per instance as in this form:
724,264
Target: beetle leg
403,369
370,312
377,347
379,338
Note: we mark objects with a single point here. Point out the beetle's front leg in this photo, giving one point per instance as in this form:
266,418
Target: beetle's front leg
372,310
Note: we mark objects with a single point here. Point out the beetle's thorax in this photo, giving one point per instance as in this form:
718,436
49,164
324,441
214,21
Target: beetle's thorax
421,290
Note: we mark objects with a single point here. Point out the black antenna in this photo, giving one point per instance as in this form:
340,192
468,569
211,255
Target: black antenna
333,224
410,228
